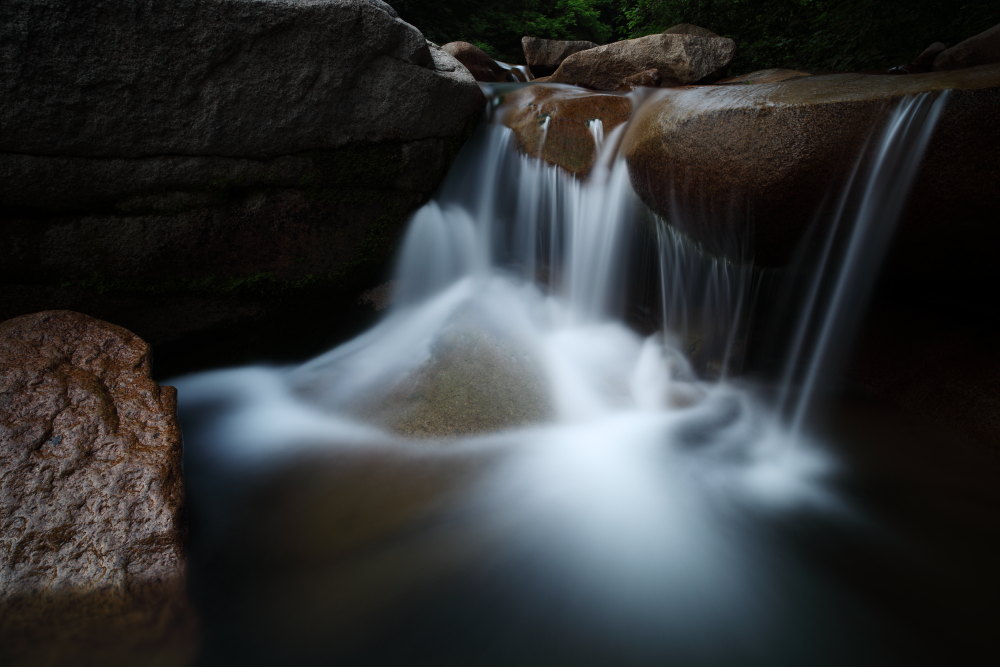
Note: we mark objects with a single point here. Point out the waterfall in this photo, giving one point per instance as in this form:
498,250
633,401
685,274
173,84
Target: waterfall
863,222
631,478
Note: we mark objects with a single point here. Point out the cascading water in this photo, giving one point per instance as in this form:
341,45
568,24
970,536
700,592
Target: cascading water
626,499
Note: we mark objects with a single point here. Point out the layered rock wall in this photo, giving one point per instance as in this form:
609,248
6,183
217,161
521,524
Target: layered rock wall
175,152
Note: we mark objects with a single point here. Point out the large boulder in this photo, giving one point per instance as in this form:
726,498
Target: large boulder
172,156
91,496
689,29
744,169
773,75
555,123
678,58
981,49
478,62
544,56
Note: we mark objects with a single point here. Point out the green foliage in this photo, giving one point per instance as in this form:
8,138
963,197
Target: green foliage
498,26
819,35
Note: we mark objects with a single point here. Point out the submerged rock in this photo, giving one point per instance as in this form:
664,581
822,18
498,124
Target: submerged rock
168,156
678,58
473,383
91,541
544,56
554,123
478,62
744,169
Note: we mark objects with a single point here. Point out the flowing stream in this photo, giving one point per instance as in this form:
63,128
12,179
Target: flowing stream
610,499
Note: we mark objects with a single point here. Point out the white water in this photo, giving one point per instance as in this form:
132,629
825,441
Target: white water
519,72
640,492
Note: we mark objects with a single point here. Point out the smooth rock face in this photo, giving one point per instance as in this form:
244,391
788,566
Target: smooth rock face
925,60
773,152
567,141
91,492
679,58
477,61
773,75
131,78
689,29
981,49
543,56
169,154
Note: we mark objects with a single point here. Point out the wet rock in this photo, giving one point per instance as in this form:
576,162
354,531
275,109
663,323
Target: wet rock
649,78
554,123
544,56
477,61
765,76
157,146
981,49
91,541
744,169
474,383
679,58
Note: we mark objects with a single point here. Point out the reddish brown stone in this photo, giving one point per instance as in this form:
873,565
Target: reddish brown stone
744,169
91,491
773,75
543,56
981,49
478,62
680,59
567,141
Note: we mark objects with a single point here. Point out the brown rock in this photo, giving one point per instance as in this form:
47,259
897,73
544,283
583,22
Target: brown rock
449,396
765,76
689,29
543,56
743,169
926,59
567,140
91,490
477,61
981,49
679,58
649,78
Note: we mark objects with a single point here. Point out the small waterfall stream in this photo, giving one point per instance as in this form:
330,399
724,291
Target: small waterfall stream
630,494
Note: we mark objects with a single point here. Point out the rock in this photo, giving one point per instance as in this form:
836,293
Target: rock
922,63
649,78
765,76
447,396
91,540
544,56
168,158
773,152
568,140
981,49
689,29
680,59
925,61
477,61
